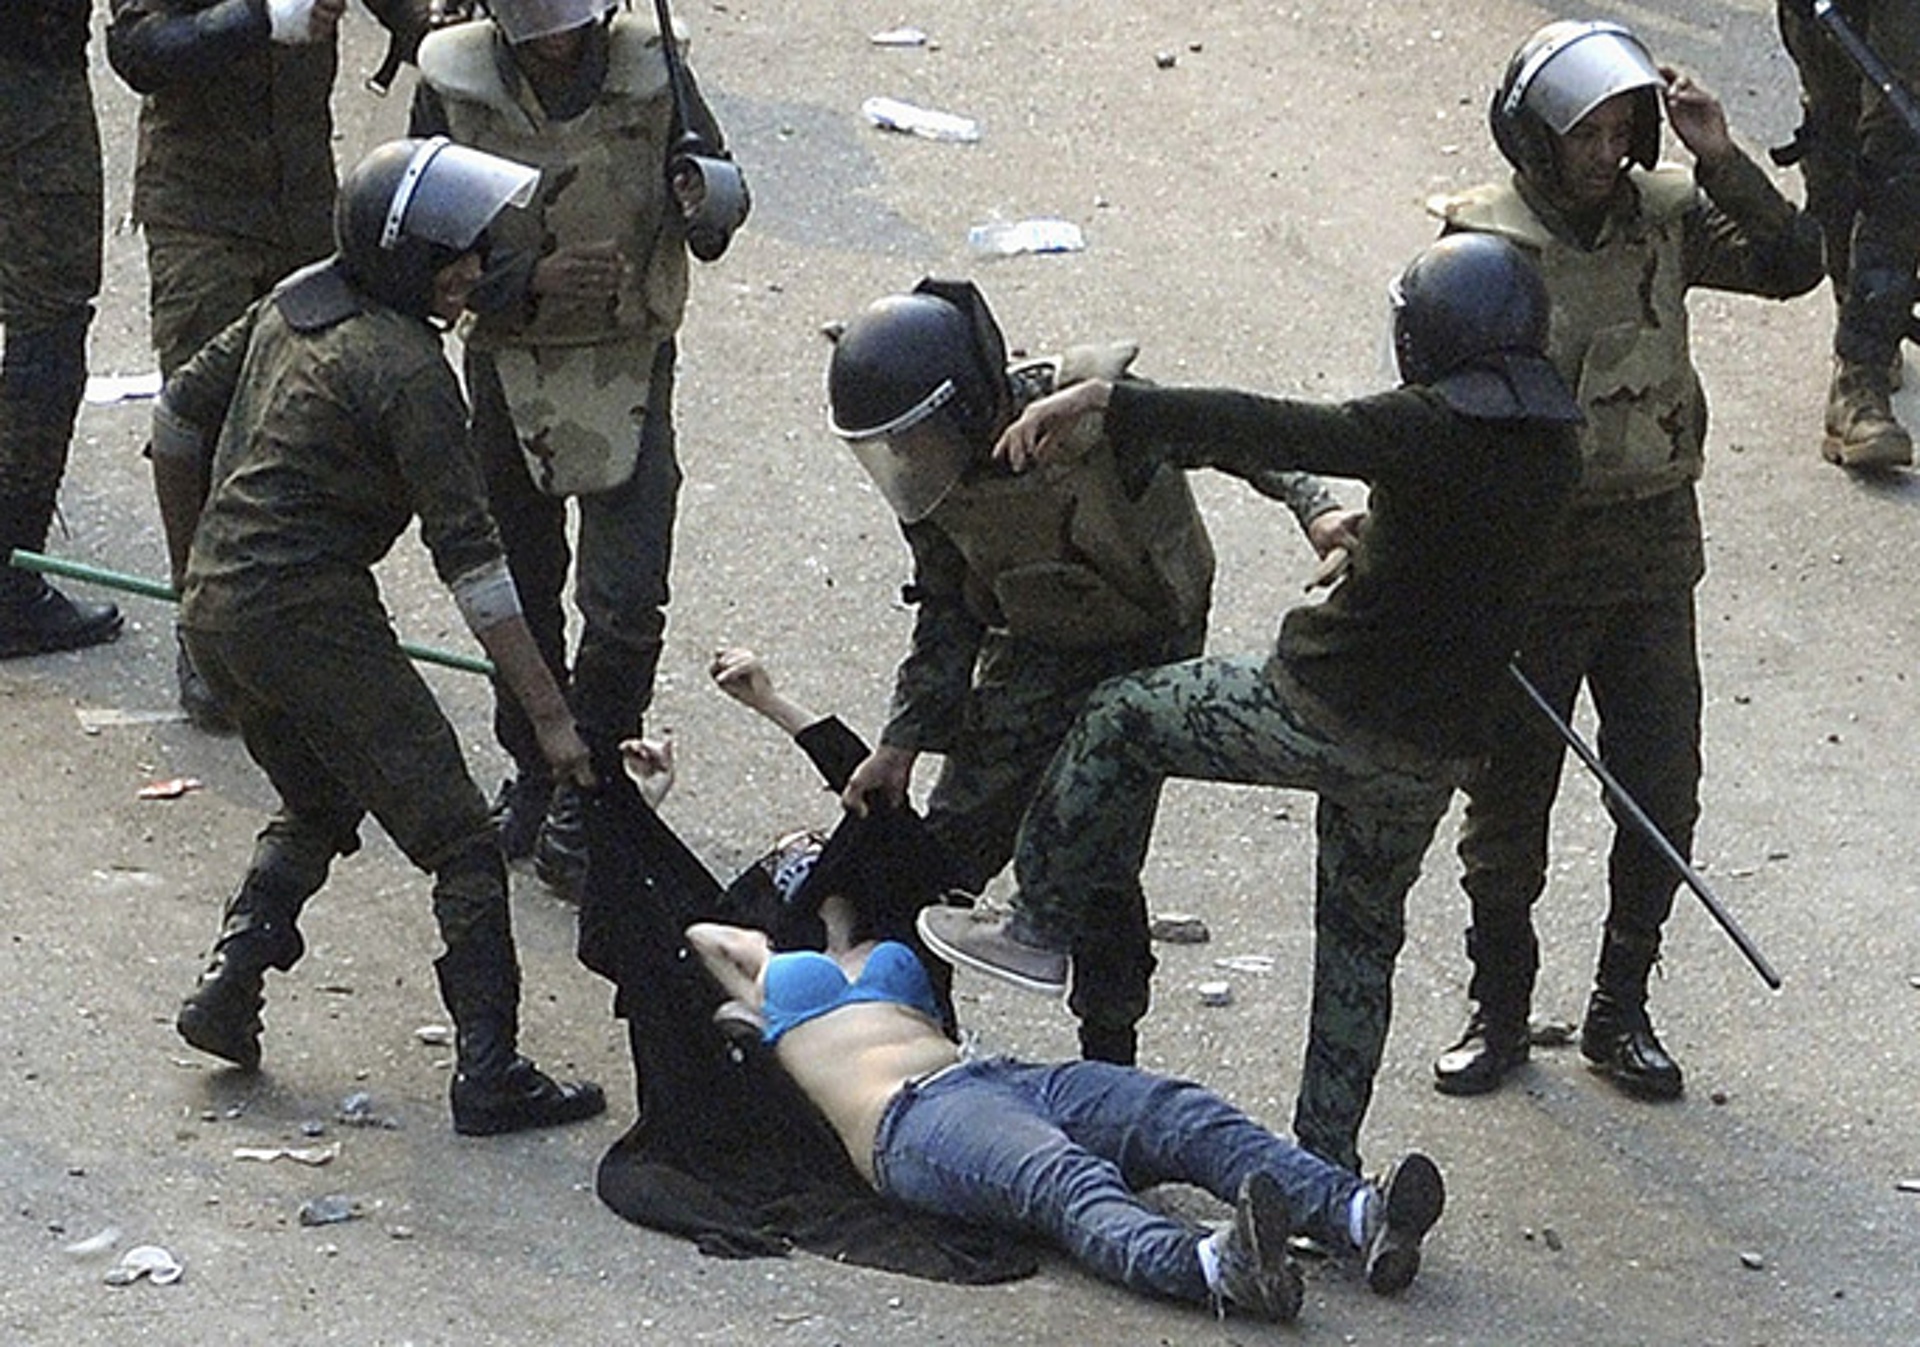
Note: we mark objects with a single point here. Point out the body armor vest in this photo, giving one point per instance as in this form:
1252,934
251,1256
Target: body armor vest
1060,555
603,176
1619,334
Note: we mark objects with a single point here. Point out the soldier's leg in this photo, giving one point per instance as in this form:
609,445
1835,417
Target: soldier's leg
1646,687
50,211
621,588
1369,853
1503,853
533,533
1829,134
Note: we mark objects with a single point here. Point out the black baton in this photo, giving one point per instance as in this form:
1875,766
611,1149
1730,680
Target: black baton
1648,828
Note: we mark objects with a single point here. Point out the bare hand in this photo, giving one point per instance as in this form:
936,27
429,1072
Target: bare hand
884,776
689,189
1335,529
1697,117
564,750
1034,436
743,676
586,271
650,763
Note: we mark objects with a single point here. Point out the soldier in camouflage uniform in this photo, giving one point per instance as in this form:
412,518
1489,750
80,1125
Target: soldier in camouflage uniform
50,208
1373,699
1028,591
570,357
234,180
1620,243
332,420
1862,165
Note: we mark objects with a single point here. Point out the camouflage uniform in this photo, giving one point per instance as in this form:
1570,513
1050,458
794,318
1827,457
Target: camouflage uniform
1373,699
997,702
333,441
50,213
574,399
1616,603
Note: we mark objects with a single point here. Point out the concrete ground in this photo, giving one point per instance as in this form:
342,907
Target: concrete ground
1244,200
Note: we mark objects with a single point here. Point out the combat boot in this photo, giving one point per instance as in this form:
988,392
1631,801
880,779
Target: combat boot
1495,1043
222,1015
37,619
1862,432
1617,1038
519,811
495,1090
560,849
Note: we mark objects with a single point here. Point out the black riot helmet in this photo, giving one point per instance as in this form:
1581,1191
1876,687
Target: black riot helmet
412,206
917,387
1558,76
1470,322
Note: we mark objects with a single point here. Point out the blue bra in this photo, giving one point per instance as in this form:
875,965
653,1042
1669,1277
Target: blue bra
805,984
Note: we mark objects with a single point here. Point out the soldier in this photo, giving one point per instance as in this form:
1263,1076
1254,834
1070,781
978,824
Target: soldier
50,209
1029,590
1862,164
1619,243
338,420
570,355
1374,699
234,180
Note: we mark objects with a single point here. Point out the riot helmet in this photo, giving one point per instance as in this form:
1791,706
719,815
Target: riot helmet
524,20
917,387
413,206
1471,323
1558,76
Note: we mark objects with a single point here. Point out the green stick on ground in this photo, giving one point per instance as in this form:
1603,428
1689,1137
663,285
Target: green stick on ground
154,589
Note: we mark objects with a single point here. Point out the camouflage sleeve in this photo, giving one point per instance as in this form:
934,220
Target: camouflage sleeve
931,686
151,46
422,421
1303,493
198,394
1748,238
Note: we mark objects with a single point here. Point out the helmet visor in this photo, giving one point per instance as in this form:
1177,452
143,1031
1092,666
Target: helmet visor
524,20
1575,75
915,467
449,194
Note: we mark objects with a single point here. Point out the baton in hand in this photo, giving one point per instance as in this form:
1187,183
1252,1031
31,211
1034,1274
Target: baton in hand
1648,828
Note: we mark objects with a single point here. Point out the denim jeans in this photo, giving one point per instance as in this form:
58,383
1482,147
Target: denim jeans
1061,1152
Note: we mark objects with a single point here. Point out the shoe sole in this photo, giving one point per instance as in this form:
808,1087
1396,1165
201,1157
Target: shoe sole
953,954
1835,451
1638,1087
203,1033
60,645
1272,1229
1415,1196
1473,1081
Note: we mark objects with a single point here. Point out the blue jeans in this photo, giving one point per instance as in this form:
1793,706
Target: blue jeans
1061,1152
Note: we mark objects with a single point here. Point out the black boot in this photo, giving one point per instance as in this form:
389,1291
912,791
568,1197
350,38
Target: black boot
560,850
519,811
1618,1039
494,1088
222,1016
204,711
1495,1042
37,619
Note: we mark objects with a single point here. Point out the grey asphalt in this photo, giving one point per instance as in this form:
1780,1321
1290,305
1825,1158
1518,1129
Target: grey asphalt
1244,200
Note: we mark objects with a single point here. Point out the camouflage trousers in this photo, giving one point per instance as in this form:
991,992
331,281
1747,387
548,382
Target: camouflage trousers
1237,720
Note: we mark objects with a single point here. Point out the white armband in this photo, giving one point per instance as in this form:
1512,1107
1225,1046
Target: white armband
486,596
290,22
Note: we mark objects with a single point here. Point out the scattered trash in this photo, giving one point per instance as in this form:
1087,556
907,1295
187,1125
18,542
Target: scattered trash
1180,928
1215,993
170,789
890,114
313,1127
94,719
434,1034
356,1110
1003,239
304,1155
331,1209
1246,963
1753,1262
1551,1238
899,37
1718,1097
1907,1186
105,389
145,1260
1166,60
93,1245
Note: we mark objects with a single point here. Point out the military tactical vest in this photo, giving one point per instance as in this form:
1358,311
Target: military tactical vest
1060,555
603,176
1619,334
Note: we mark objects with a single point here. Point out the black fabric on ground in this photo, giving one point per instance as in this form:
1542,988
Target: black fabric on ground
727,1151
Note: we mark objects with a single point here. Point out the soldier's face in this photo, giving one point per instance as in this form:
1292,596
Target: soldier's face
1593,154
453,283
